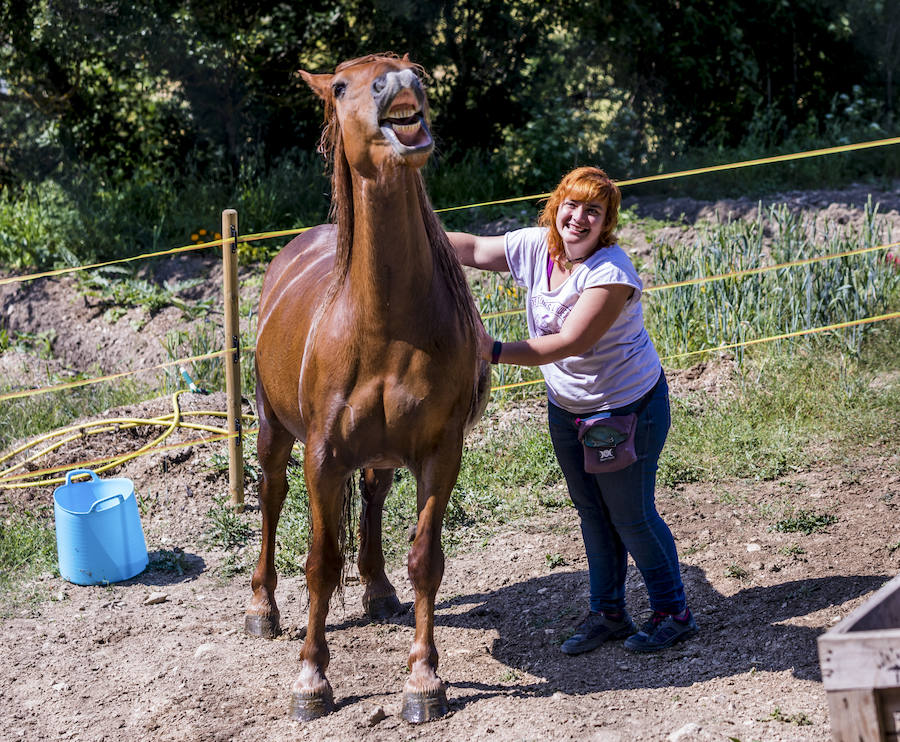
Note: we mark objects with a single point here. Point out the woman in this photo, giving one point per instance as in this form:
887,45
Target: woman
587,334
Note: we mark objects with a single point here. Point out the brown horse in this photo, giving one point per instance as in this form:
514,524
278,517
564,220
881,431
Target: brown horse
366,352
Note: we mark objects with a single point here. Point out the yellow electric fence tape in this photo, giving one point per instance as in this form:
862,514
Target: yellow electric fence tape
489,315
709,169
110,377
9,480
743,343
620,183
174,420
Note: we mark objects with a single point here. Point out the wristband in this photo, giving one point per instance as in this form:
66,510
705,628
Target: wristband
495,352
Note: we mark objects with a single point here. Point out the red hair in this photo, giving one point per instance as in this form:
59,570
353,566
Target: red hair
582,184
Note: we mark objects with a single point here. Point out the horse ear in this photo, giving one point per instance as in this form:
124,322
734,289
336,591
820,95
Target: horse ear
321,84
406,58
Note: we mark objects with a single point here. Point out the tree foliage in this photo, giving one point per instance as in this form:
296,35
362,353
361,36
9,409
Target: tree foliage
211,85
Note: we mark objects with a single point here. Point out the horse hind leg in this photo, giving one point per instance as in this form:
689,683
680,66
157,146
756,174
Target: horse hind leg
379,599
274,445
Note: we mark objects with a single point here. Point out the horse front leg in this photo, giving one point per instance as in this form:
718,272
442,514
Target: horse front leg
311,694
424,694
274,446
380,599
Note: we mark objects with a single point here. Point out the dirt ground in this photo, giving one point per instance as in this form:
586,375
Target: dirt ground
163,656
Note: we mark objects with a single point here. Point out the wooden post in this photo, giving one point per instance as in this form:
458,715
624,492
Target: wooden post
233,358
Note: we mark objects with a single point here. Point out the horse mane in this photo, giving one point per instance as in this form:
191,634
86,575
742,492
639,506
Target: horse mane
446,261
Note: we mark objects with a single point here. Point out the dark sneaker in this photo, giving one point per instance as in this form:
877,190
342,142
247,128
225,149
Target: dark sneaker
596,629
661,632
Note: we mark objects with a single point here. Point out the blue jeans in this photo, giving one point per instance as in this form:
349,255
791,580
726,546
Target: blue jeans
618,510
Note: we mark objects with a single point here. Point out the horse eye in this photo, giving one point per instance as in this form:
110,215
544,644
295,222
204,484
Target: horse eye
338,89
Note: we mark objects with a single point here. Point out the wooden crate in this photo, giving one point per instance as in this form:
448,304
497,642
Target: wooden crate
860,661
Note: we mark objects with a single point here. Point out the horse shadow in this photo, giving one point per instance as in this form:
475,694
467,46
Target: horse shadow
755,629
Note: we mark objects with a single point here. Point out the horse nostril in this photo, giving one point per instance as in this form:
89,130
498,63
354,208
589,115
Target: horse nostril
378,84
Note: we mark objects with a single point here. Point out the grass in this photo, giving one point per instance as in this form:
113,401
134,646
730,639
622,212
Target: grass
27,551
117,288
806,522
29,416
767,424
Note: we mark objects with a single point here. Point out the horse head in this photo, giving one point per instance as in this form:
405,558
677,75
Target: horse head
376,113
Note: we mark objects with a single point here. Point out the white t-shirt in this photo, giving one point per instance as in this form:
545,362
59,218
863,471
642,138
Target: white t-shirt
623,366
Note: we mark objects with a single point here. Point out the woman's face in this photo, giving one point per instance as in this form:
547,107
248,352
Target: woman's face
580,224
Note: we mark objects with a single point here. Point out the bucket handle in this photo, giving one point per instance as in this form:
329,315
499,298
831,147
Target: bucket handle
77,472
105,499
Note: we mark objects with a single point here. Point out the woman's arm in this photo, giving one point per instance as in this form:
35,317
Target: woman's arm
487,253
593,314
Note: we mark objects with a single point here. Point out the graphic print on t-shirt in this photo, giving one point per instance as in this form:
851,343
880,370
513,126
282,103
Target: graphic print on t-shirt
548,315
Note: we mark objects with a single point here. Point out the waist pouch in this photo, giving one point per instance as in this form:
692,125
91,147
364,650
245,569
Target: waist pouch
608,441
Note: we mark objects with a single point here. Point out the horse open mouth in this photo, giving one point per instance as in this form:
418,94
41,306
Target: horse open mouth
407,131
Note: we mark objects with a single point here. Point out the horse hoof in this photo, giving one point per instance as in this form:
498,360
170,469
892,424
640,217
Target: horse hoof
421,707
264,627
308,707
383,607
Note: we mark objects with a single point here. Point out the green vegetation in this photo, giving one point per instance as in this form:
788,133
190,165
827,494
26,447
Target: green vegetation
800,718
168,560
804,521
683,319
126,127
226,528
27,550
117,289
736,572
29,416
766,420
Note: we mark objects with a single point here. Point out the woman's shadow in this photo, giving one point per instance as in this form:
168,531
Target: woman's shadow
755,629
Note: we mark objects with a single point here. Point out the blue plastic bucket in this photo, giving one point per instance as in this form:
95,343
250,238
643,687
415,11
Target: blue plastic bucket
99,537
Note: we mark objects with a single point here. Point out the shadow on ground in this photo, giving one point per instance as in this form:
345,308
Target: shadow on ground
750,630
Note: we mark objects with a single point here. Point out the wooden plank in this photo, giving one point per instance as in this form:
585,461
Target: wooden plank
880,611
863,650
854,716
869,659
888,701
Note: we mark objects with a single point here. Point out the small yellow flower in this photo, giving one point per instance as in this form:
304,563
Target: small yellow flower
218,236
195,237
202,232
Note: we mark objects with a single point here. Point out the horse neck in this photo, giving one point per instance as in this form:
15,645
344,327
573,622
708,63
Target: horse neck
391,261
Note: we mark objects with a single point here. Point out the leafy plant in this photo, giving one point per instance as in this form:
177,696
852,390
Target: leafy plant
168,560
804,521
555,560
226,528
800,718
117,286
